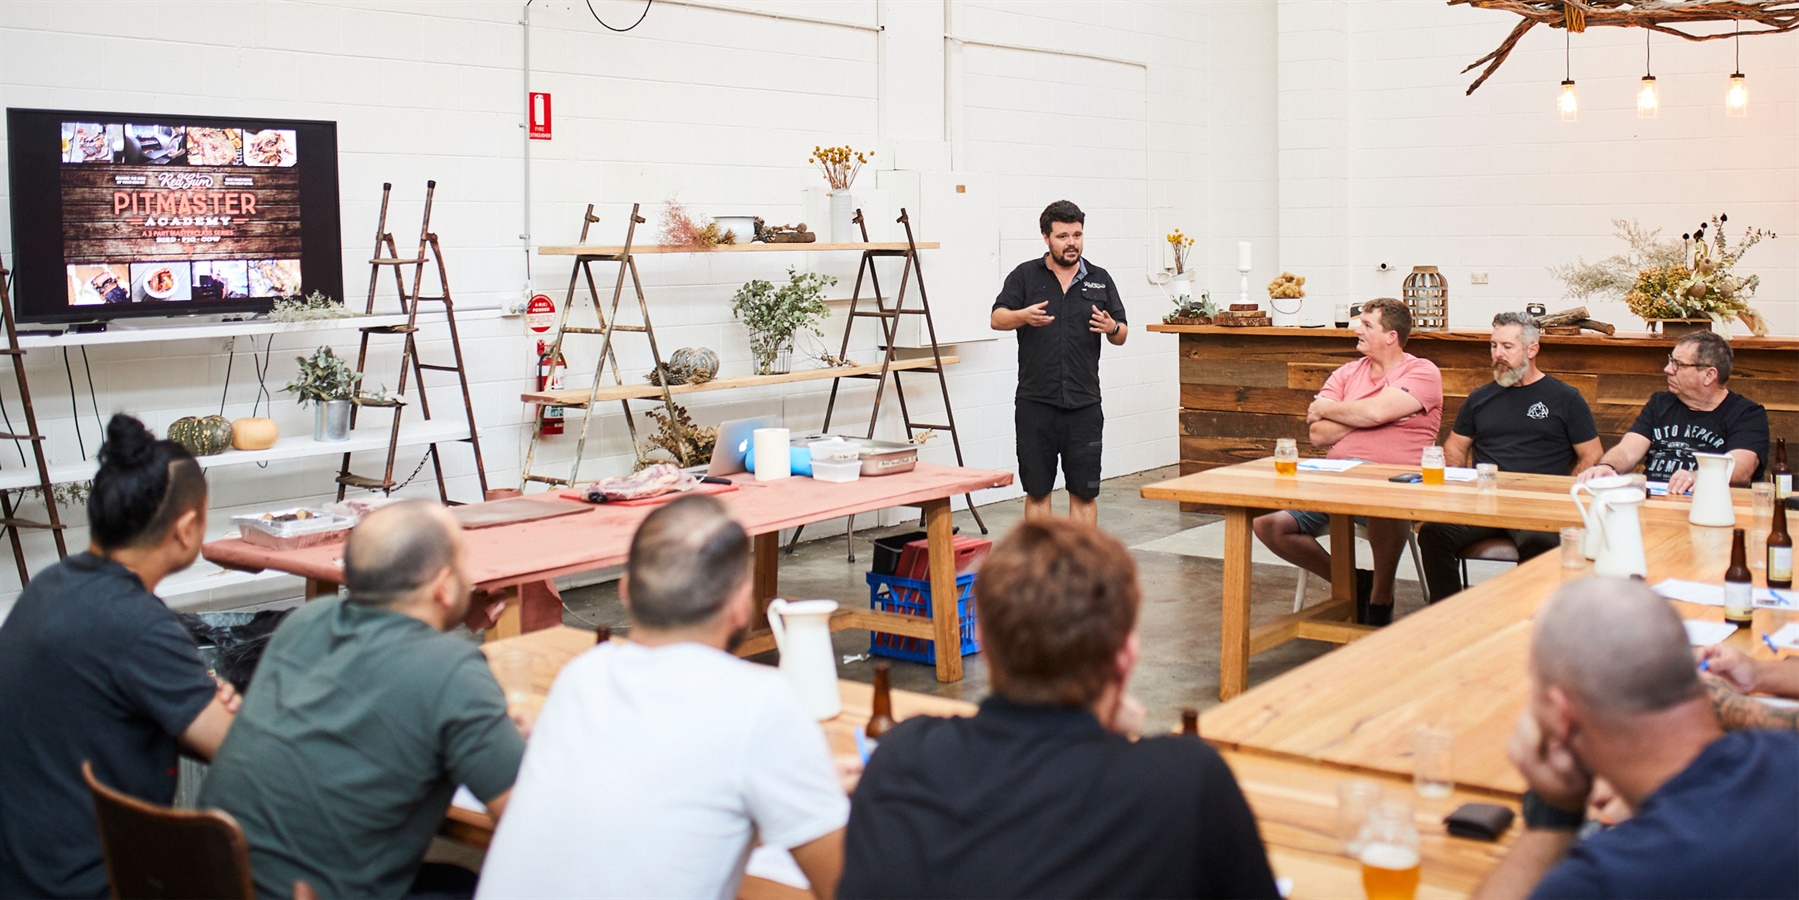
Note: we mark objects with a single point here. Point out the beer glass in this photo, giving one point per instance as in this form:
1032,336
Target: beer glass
1286,456
1432,464
1390,858
1761,495
1433,762
1486,476
1355,797
1574,548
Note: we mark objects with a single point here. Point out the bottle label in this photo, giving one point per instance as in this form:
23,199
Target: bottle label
1780,564
1783,486
1739,600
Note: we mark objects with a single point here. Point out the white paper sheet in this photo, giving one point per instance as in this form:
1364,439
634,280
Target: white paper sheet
1705,634
1656,488
465,799
1773,599
1787,636
1691,591
776,864
1459,473
1328,465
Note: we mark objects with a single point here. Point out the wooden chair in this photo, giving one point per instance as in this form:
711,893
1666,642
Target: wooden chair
155,851
1493,549
1361,533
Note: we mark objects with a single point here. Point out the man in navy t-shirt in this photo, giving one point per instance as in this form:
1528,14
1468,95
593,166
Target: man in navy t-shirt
1698,413
1716,815
1521,421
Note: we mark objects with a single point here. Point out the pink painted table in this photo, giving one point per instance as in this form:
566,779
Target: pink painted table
514,566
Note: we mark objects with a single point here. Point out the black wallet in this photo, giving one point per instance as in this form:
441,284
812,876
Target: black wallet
1479,821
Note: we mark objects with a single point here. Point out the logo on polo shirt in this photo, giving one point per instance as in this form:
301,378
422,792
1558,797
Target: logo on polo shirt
1538,411
1094,285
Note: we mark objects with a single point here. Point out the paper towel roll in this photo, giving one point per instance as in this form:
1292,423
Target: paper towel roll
772,448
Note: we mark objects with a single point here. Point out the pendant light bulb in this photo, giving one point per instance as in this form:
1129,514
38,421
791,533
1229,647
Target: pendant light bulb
1569,103
1649,101
1736,100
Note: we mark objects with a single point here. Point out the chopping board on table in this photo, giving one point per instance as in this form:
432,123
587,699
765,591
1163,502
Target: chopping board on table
514,510
658,500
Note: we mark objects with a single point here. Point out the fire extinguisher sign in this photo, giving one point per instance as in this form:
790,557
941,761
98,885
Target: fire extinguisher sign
539,110
540,313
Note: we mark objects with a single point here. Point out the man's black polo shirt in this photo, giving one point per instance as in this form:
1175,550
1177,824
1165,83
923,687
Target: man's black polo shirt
1058,363
1042,801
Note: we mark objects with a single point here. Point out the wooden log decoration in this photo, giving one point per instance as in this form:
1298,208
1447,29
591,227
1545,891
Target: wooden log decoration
1563,317
1595,325
1665,16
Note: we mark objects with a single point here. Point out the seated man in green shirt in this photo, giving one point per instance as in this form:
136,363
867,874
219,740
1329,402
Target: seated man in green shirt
364,717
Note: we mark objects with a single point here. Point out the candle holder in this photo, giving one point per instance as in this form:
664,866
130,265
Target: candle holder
1242,284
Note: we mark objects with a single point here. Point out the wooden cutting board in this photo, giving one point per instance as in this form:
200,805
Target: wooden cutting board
658,500
513,511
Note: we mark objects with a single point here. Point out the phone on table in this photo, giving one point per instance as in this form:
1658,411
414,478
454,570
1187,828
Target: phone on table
1407,478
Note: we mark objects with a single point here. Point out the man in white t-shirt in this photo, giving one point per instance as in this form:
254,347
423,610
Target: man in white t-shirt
656,764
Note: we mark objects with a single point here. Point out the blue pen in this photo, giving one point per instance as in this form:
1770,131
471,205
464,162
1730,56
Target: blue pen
1705,665
862,746
1771,645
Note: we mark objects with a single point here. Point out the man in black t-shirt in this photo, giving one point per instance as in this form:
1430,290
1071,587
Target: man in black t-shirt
1697,413
1043,793
1522,421
1060,305
1714,814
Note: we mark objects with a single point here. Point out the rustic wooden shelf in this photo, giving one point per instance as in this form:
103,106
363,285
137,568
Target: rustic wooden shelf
645,249
577,397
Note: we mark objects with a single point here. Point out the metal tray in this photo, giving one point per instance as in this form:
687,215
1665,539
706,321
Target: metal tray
878,457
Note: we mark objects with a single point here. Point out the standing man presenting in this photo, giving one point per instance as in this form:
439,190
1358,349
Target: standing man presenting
1060,305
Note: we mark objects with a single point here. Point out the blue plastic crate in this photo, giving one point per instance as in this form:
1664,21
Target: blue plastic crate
912,597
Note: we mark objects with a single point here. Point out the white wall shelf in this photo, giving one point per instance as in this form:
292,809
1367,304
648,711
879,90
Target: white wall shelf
300,446
119,334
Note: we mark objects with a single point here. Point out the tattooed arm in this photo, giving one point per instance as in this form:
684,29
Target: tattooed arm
1738,711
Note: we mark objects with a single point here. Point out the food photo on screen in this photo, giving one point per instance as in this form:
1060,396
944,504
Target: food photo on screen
155,145
92,142
96,285
221,279
215,146
155,282
270,147
274,277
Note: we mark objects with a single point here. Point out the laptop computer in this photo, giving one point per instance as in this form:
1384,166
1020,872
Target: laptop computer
734,444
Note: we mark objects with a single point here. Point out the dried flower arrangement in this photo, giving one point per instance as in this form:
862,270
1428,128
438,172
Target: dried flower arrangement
1657,279
310,308
1183,245
839,164
1287,287
679,229
676,435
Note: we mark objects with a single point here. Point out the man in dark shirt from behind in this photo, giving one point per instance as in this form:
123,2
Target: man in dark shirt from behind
1521,421
1060,304
364,718
1042,793
1716,814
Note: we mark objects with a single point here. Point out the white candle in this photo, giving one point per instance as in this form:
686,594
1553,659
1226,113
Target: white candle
773,452
1243,254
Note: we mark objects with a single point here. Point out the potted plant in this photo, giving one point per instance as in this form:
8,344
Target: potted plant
774,315
326,380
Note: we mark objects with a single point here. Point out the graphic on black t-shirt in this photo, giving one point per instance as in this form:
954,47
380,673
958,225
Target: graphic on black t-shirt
1677,431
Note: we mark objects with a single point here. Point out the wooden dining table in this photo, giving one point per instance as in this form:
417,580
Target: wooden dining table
1522,501
1294,800
1461,665
514,566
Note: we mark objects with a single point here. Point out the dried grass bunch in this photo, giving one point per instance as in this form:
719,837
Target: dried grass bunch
839,164
679,437
1183,246
1287,287
680,229
1695,278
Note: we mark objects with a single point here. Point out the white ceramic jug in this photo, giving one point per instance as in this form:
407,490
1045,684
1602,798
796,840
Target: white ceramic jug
1711,491
1614,534
803,634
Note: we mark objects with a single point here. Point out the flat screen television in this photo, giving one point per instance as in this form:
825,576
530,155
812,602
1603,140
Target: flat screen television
129,214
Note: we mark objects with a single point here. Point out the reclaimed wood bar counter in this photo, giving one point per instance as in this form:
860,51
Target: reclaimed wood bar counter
1241,388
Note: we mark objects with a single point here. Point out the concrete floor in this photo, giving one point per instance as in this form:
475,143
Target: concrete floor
1179,626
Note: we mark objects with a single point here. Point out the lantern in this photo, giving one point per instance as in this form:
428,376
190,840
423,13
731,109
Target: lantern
1427,295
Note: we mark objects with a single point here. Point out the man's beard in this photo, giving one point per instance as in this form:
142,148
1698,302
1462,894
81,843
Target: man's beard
1508,376
736,639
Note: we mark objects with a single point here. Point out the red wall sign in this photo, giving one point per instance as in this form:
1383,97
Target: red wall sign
539,108
540,314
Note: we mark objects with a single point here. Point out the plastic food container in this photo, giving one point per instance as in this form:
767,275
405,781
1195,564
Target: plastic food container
878,457
838,471
275,533
833,449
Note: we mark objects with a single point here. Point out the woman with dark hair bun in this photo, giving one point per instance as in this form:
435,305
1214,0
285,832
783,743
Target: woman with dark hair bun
94,667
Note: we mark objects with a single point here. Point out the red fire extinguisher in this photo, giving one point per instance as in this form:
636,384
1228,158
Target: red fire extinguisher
549,378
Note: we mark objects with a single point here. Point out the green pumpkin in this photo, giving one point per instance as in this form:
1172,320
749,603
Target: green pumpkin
202,435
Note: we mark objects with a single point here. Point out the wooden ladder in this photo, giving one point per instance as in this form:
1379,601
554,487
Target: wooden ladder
10,521
606,325
889,318
429,251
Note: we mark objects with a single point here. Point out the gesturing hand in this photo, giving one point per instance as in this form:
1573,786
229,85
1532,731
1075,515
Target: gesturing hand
1101,322
1035,316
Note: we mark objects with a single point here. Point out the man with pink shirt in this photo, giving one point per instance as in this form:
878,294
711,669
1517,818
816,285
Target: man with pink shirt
1385,407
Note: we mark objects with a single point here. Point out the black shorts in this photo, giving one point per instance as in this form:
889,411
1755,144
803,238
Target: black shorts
1045,432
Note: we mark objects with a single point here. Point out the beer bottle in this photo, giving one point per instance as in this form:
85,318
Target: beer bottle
1739,585
602,634
880,716
1190,721
1780,550
1781,473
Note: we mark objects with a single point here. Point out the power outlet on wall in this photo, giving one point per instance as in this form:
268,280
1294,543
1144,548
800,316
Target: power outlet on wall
1480,278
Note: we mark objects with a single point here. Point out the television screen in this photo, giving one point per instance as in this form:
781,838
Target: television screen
125,214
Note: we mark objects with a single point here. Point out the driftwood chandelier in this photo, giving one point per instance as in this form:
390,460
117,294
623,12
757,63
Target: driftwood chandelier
1674,17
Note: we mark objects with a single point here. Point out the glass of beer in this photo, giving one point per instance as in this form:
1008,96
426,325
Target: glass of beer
1390,858
1286,456
1432,464
1433,761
